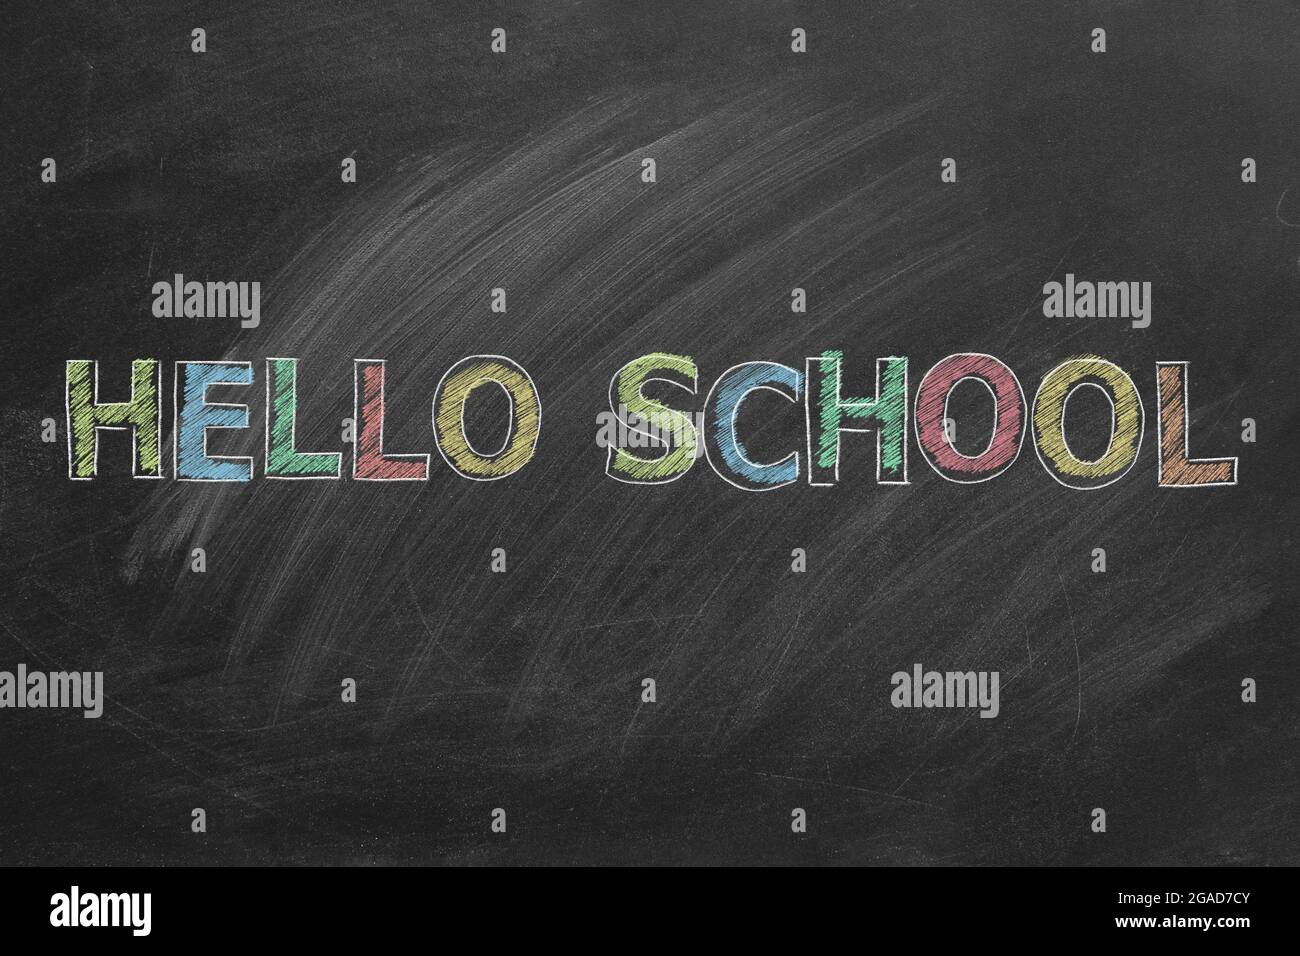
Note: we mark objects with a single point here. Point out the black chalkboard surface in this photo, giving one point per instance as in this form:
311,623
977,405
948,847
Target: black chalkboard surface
569,660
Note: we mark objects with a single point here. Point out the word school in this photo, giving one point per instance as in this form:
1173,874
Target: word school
828,414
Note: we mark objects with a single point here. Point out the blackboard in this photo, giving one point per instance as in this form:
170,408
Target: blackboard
523,690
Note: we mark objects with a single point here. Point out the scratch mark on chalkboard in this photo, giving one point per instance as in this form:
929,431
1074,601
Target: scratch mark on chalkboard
1078,666
846,786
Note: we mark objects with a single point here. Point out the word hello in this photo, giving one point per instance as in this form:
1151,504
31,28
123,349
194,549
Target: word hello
208,300
75,908
669,450
79,690
1101,300
947,689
